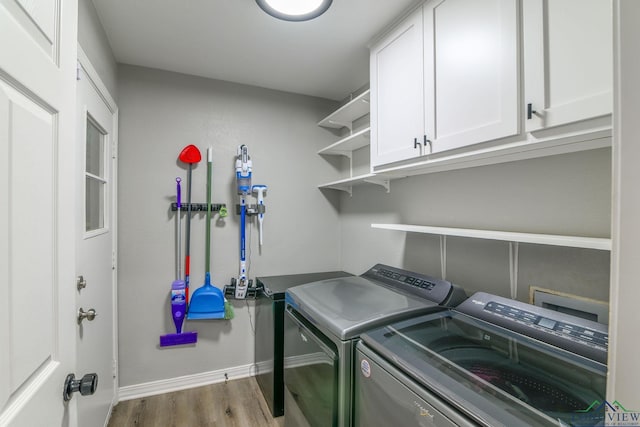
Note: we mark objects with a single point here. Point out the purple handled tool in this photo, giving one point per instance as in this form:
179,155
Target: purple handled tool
178,292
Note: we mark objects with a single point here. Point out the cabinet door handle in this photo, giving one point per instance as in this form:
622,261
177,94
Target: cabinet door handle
530,111
427,141
416,144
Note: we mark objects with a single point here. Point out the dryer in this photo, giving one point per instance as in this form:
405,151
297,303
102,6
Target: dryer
323,321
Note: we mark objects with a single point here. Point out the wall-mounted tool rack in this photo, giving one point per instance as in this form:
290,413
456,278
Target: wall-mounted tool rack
252,209
253,292
197,207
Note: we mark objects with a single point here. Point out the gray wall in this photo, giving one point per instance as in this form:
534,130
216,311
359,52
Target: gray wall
565,194
310,230
93,40
162,112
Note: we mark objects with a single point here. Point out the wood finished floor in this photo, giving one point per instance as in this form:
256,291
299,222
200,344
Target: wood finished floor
237,403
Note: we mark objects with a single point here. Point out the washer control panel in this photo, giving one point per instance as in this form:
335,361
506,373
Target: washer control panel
409,280
574,334
565,329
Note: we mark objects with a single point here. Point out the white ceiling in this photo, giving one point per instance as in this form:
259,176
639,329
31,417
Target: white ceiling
234,40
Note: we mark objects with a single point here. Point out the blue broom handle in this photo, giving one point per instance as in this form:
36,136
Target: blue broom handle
208,237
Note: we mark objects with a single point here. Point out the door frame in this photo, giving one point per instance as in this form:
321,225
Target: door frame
86,68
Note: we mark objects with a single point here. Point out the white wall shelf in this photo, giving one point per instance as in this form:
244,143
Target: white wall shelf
348,144
348,113
514,239
345,116
348,183
540,239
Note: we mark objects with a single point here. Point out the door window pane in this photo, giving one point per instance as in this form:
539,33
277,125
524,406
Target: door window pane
95,180
95,150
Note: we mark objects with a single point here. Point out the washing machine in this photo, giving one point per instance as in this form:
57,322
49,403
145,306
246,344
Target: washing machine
491,361
323,321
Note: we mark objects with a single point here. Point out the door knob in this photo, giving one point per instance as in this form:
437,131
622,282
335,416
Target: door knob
87,385
89,315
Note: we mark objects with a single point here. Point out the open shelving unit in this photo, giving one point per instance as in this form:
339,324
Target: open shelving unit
343,117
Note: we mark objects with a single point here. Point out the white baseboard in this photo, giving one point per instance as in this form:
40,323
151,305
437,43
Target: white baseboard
181,383
153,388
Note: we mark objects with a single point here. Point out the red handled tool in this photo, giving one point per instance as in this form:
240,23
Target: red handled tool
190,155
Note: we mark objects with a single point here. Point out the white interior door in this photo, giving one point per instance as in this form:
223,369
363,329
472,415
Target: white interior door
95,246
37,195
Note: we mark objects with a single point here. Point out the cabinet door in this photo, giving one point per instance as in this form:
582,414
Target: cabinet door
568,61
397,109
471,71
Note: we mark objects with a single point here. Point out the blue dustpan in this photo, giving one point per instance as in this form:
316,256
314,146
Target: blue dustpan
207,302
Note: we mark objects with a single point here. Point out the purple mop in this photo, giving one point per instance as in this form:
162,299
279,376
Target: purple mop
178,295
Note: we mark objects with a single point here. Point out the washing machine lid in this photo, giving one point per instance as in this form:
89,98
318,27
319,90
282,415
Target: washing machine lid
492,374
348,306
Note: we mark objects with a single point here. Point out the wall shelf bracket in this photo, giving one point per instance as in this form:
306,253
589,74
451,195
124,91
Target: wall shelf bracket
345,188
443,256
513,269
382,182
337,123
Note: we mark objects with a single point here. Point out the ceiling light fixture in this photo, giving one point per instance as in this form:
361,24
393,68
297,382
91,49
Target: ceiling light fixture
294,10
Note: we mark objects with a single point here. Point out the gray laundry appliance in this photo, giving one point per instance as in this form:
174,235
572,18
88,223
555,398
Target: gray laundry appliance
269,332
491,361
323,321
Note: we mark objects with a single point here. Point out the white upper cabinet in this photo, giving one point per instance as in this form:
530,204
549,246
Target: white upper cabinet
463,83
445,78
471,72
568,61
397,90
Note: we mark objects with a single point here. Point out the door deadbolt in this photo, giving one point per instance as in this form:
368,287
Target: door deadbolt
89,315
81,283
87,385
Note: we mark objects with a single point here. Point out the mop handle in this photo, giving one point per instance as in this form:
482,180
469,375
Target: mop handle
179,206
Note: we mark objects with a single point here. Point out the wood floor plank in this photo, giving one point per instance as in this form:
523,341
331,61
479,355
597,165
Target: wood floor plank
236,403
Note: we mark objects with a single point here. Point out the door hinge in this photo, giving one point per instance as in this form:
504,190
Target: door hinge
115,368
113,260
114,149
78,66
